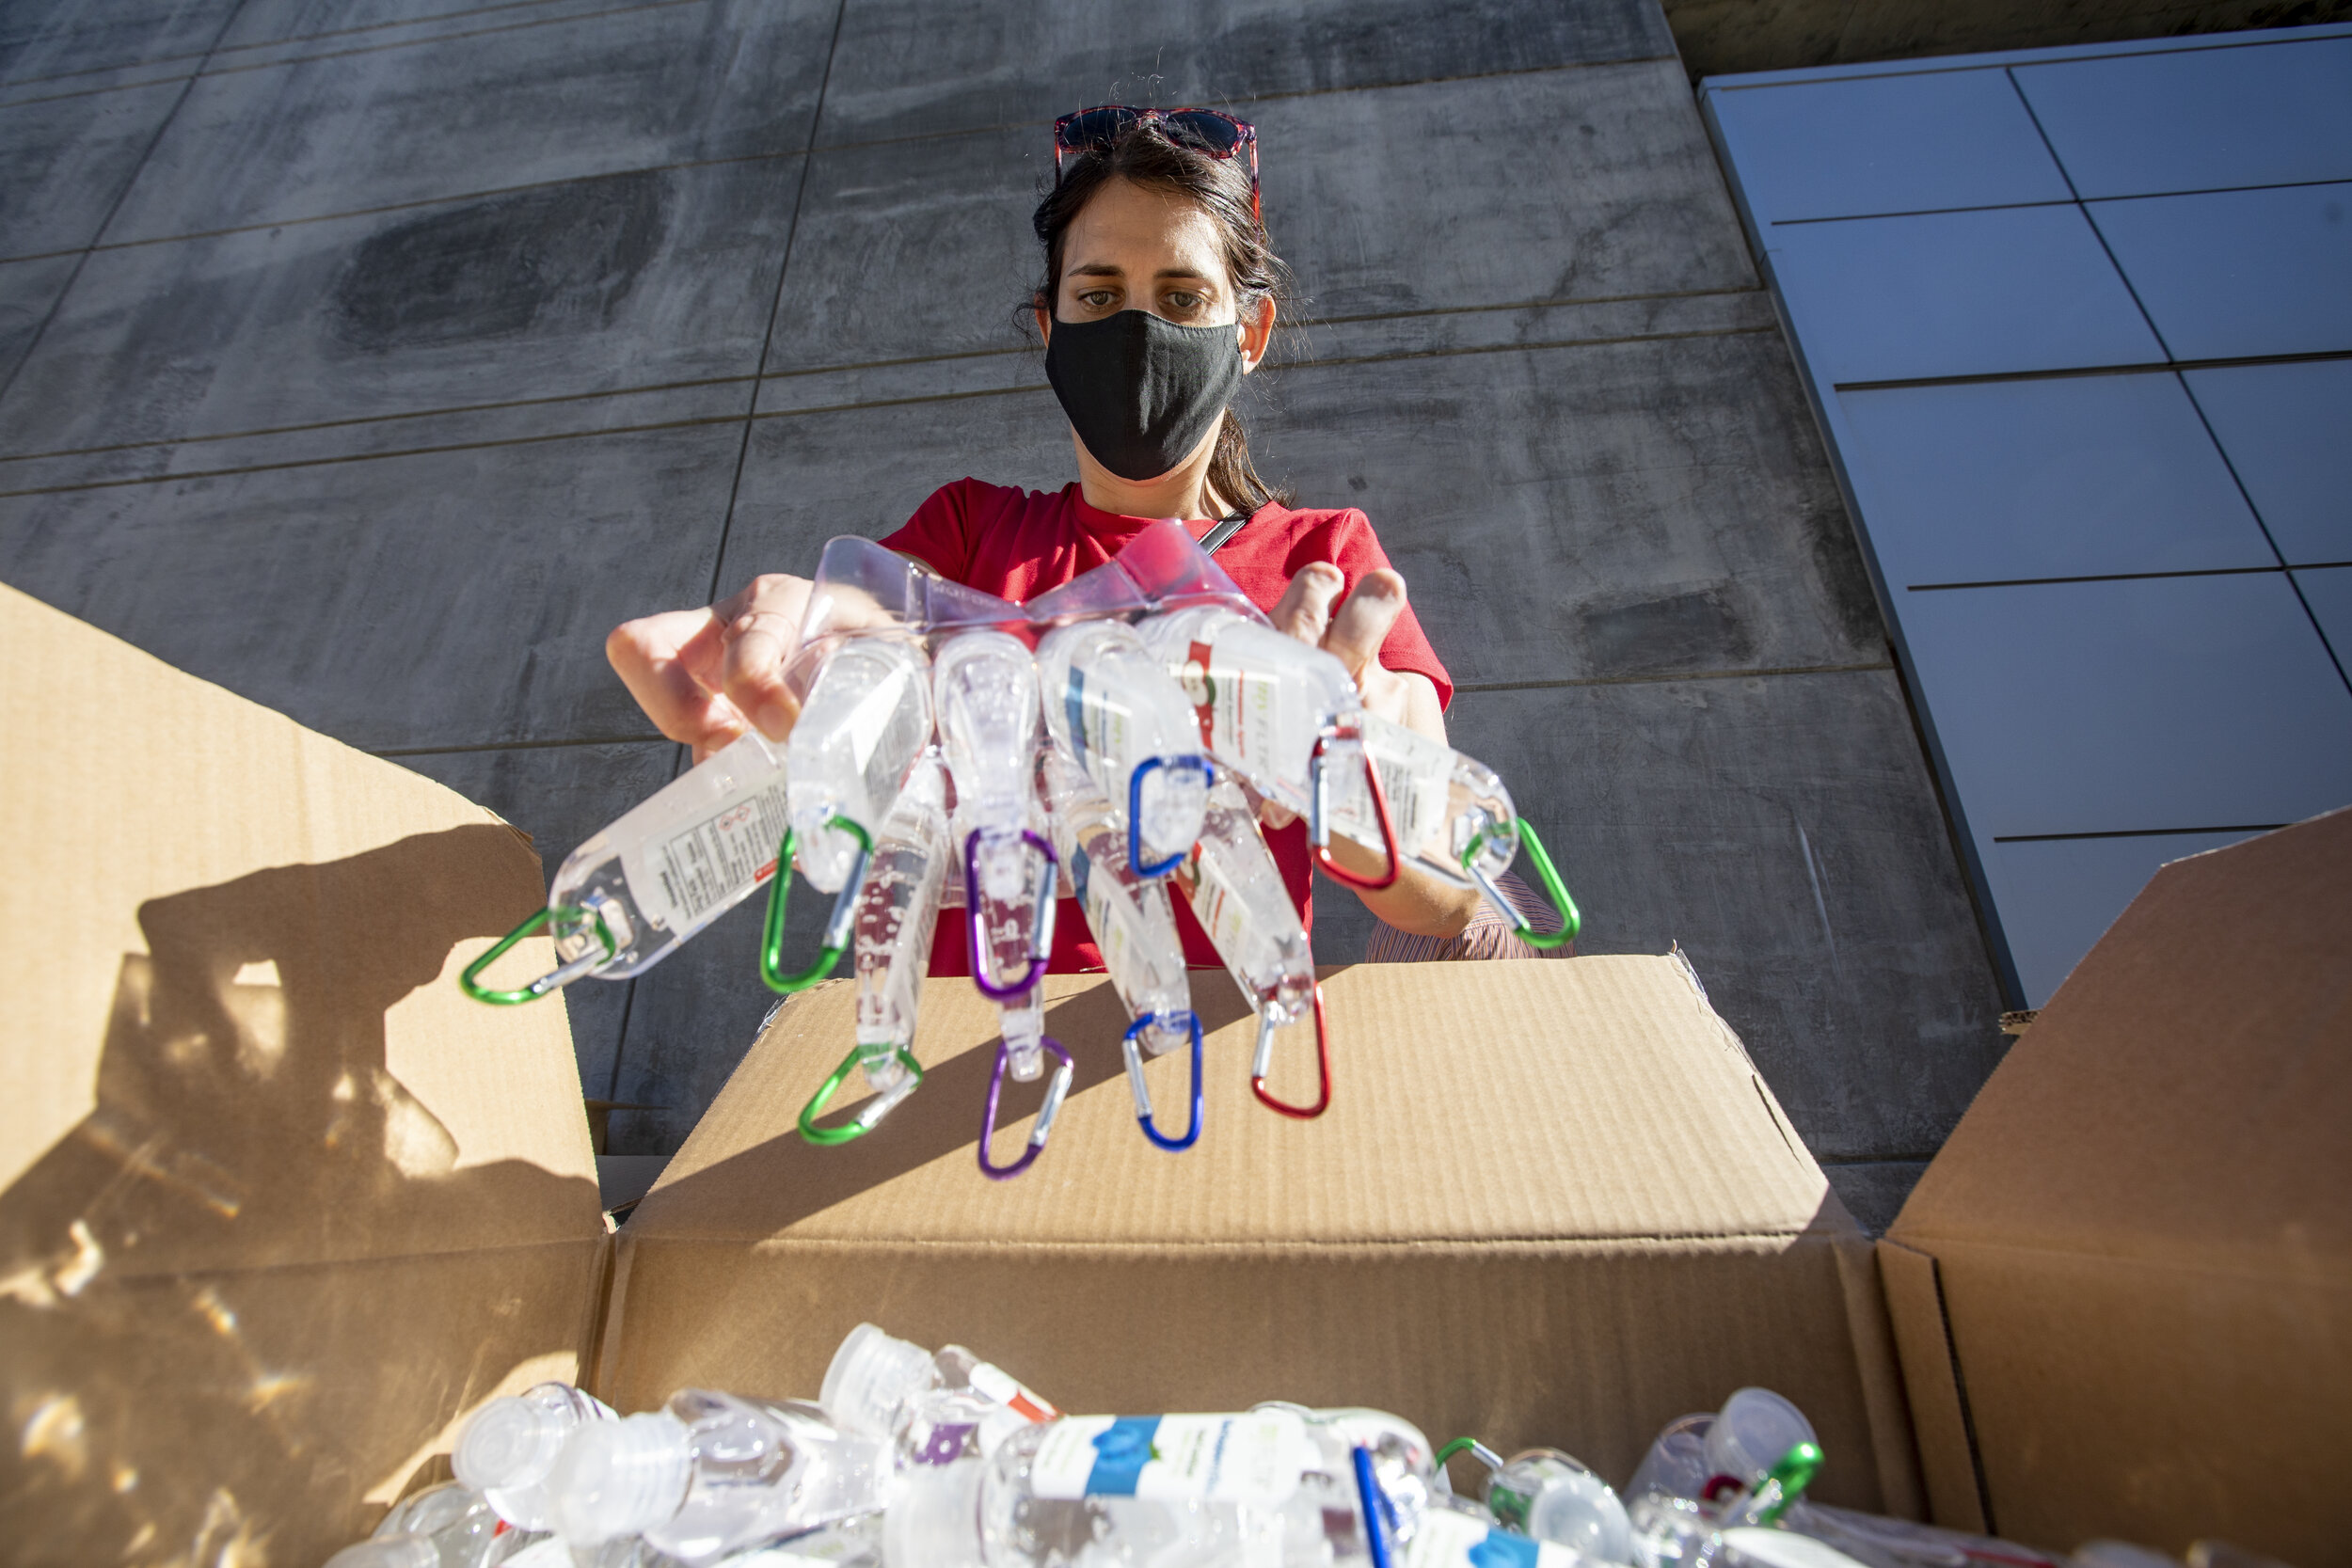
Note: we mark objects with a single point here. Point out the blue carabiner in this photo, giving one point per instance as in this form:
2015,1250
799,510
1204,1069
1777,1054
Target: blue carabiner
1142,1091
1191,762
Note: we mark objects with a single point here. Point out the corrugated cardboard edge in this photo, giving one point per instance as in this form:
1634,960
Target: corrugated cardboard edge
1876,1363
1939,1423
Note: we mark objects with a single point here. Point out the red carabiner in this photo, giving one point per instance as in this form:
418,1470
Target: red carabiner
1319,831
1323,1067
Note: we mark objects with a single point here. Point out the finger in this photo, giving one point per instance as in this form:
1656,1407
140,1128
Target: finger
1305,608
655,657
752,675
1363,622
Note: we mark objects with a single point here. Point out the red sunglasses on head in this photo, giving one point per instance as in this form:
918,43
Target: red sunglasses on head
1209,131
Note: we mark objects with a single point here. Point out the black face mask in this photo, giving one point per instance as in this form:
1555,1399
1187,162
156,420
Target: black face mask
1140,391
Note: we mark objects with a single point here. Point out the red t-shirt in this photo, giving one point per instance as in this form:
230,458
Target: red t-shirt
1018,544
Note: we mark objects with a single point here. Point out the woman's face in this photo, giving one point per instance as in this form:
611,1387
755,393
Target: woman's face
1134,249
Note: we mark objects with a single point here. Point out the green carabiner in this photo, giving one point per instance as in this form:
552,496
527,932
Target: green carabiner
825,1137
553,980
836,941
1570,919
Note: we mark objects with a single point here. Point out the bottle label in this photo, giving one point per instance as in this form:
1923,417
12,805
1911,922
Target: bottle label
1256,1459
1449,1540
1240,710
1416,774
1217,903
1097,892
718,858
1099,731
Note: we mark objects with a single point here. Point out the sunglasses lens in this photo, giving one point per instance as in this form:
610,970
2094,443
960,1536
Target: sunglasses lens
1207,131
1091,129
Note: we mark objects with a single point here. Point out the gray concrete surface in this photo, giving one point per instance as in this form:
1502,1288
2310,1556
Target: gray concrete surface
374,358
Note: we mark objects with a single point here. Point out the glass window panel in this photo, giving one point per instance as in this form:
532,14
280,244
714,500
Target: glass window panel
2201,120
2075,477
2166,704
1957,294
1885,144
2239,273
2056,897
2329,593
2287,430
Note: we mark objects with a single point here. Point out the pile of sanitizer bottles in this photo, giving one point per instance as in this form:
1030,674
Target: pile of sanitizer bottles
915,1460
1117,735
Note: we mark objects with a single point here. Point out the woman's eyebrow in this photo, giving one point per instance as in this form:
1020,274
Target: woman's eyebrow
1097,269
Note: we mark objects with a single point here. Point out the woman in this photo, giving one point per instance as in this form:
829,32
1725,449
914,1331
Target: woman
1159,295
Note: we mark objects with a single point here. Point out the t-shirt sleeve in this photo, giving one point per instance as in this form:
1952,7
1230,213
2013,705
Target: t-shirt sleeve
1355,549
938,534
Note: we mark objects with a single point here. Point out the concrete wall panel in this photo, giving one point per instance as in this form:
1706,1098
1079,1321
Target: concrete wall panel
908,67
593,286
338,133
449,598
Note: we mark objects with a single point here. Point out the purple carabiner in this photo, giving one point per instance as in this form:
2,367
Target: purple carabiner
1055,1092
1040,935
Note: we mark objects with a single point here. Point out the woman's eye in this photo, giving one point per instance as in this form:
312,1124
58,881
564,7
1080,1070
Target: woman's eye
1098,299
1184,300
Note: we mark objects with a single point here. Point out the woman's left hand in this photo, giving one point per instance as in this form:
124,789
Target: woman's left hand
1416,902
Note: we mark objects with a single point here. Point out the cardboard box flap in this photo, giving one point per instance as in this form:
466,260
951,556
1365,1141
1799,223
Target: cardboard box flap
235,1027
2185,1096
278,1203
1491,1127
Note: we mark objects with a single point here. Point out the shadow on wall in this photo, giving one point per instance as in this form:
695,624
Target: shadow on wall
253,1286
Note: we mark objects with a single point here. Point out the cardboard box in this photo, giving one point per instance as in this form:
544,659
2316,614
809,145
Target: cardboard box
281,1207
1550,1203
2123,1289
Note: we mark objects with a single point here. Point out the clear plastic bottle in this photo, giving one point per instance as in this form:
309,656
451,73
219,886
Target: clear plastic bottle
897,910
1128,914
509,1449
709,1473
866,717
934,1408
985,687
1272,1488
1752,1433
1677,1464
448,1526
1117,712
671,864
1237,894
1263,699
1551,1496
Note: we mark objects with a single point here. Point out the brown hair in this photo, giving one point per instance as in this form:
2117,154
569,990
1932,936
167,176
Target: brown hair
1218,187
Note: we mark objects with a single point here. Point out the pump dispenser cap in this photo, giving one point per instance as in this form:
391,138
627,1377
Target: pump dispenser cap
621,1478
871,1376
936,1520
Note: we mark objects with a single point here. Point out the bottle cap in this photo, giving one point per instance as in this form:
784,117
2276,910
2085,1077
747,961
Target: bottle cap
620,1478
936,1520
1756,1428
871,1376
510,1442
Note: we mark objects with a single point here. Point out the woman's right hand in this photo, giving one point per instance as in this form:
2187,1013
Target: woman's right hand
704,676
